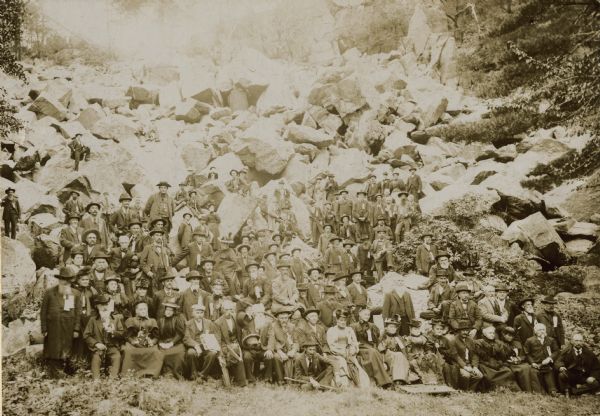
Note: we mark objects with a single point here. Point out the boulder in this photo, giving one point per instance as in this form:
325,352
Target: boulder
297,170
32,196
234,210
18,270
90,116
45,105
420,136
591,280
115,127
348,166
344,95
141,95
113,103
70,128
196,156
306,149
58,90
454,171
418,31
46,252
506,154
191,111
583,230
435,204
578,247
584,202
262,148
516,201
482,176
15,337
409,282
325,120
493,222
278,97
43,223
539,238
432,110
305,134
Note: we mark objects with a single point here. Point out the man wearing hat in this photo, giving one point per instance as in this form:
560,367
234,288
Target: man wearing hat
70,236
550,317
100,271
343,206
120,219
464,309
381,251
78,150
234,184
396,183
379,213
141,295
11,214
441,296
197,250
193,295
414,185
312,367
104,335
256,288
372,188
184,232
91,246
325,238
284,293
161,205
347,229
226,264
207,269
231,338
155,259
404,214
442,263
60,321
464,359
136,237
357,292
361,212
333,258
168,294
525,322
92,220
426,254
350,262
121,263
281,346
311,329
73,205
368,337
313,287
329,305
297,266
243,258
200,357
114,290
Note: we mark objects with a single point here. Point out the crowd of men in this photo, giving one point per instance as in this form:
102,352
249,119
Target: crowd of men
255,309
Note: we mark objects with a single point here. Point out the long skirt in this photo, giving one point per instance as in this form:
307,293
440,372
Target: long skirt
142,361
398,365
173,359
502,376
372,362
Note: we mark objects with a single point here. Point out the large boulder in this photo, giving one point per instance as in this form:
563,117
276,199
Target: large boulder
348,166
585,200
516,201
32,196
344,95
115,127
196,156
305,134
141,95
436,203
18,270
46,252
262,148
418,31
45,105
324,119
297,170
191,111
16,337
91,115
234,210
538,237
578,247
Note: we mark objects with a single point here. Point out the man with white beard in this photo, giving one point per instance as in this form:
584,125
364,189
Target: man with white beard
254,325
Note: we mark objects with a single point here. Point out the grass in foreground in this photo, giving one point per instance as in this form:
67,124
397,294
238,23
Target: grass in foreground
80,396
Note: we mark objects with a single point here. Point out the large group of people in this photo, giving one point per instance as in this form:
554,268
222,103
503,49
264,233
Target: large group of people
254,308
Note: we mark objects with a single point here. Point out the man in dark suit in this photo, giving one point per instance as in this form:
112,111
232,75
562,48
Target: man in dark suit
230,342
312,367
60,321
92,248
542,351
11,214
578,368
465,309
193,295
464,359
399,303
199,359
552,320
414,185
525,321
357,292
70,236
196,251
121,218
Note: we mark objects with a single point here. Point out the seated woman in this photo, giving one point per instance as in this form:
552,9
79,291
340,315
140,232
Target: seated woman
171,330
141,355
394,352
491,361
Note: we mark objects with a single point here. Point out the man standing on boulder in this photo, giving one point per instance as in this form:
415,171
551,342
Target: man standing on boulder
11,213
161,205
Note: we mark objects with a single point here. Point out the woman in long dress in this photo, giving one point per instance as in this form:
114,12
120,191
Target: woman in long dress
141,356
171,330
394,350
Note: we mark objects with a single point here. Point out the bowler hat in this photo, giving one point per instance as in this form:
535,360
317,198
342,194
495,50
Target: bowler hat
167,276
340,277
250,336
525,299
205,261
91,204
170,305
239,248
251,264
163,183
501,287
508,330
135,222
155,220
311,310
157,231
549,300
442,254
309,271
124,197
67,273
193,275
112,276
335,238
10,190
330,289
100,299
72,217
283,265
101,254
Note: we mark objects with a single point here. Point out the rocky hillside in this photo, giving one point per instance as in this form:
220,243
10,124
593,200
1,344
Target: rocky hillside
352,115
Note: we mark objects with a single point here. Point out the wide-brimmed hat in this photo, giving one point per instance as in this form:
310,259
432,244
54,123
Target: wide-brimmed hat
67,273
501,287
163,183
168,276
155,220
330,289
462,287
199,231
239,248
310,310
101,254
203,262
442,254
70,217
9,190
283,265
91,204
156,231
548,299
251,336
525,299
251,264
125,197
314,268
193,275
340,277
170,305
135,222
100,299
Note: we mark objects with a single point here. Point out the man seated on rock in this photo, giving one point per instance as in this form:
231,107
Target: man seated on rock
78,151
284,291
441,296
200,357
442,263
368,336
514,357
281,346
141,356
578,368
542,351
464,359
426,254
312,367
398,303
230,339
194,252
464,309
104,335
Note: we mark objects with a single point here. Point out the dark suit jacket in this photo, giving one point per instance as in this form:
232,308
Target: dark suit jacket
188,299
358,298
558,332
69,239
457,313
536,352
228,337
523,327
458,352
58,323
588,361
119,262
95,333
11,210
396,305
192,333
303,372
192,251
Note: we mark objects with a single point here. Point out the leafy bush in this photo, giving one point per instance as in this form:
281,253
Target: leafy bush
578,315
502,123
